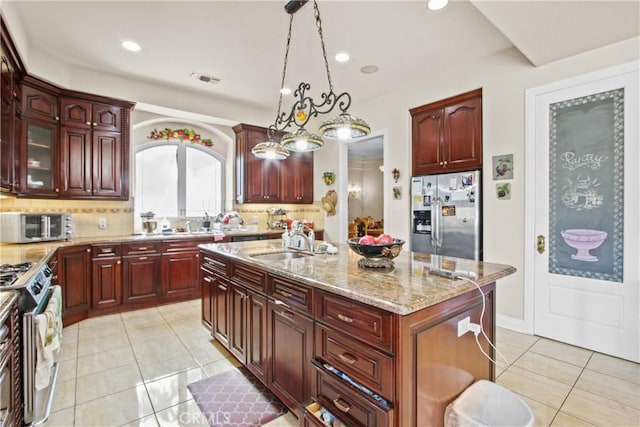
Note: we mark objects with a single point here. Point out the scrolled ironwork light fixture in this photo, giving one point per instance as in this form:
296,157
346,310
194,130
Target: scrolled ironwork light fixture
345,126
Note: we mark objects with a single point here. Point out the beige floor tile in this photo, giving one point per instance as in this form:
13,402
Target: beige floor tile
110,381
62,418
566,420
621,391
65,396
157,347
103,361
67,369
537,387
552,368
286,420
619,368
150,333
115,409
170,391
99,345
510,353
68,349
187,325
100,321
154,368
223,365
543,414
515,339
193,337
565,352
148,421
141,317
102,330
599,410
208,352
184,414
70,333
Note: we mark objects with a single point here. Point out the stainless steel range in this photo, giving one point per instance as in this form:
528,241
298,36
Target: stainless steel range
34,298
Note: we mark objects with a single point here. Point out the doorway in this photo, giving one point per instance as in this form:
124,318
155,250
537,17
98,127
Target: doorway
364,185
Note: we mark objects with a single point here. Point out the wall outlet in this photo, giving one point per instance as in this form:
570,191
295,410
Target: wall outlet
463,326
102,223
254,219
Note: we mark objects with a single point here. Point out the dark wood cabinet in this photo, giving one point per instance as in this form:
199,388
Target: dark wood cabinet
84,114
106,277
257,361
75,161
39,103
180,269
141,276
220,310
290,351
10,366
11,70
270,181
446,136
39,173
206,295
75,278
297,178
238,318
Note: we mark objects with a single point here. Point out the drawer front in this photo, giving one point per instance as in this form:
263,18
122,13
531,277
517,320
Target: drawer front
248,276
349,404
292,294
214,264
368,324
106,250
141,248
364,364
181,245
313,413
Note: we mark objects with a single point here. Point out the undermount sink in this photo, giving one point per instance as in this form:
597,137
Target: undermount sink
281,256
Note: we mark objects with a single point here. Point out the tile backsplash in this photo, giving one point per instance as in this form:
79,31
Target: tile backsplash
120,219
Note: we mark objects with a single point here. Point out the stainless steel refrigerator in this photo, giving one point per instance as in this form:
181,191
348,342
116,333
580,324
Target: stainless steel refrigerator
447,214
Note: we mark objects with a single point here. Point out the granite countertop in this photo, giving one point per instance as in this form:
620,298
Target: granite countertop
406,288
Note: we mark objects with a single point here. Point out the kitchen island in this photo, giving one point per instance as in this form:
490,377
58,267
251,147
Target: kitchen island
303,324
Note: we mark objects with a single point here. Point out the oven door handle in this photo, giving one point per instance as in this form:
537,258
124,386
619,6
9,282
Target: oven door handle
52,391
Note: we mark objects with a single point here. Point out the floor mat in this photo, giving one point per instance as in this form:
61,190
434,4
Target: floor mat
235,398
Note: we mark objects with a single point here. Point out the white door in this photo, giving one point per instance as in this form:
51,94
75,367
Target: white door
587,204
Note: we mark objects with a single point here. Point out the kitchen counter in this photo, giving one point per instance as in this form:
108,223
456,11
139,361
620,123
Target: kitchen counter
405,289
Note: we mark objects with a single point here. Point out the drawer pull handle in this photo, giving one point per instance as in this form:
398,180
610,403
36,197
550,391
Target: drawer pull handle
142,258
341,404
208,279
348,358
285,314
286,294
278,302
345,318
142,248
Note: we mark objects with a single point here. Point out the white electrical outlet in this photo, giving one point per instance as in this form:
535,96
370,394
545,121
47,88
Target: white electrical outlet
463,326
102,223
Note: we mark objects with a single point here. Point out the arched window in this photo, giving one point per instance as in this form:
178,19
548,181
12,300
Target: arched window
178,180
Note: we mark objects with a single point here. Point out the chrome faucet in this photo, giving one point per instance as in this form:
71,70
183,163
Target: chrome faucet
187,226
298,236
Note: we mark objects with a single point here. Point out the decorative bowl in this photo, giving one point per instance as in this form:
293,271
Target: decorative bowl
584,240
377,255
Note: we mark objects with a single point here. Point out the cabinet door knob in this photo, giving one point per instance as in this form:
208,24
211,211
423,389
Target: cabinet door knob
445,162
441,163
88,250
57,190
95,124
57,119
197,255
88,123
118,262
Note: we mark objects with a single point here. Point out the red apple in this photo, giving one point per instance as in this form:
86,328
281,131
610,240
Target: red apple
384,239
367,240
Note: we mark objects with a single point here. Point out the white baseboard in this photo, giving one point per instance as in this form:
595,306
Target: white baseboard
512,323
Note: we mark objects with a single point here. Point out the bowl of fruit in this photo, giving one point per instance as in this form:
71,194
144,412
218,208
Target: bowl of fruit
377,252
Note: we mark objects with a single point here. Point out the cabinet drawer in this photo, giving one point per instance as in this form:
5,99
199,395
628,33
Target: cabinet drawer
350,404
248,276
181,245
292,294
106,250
364,364
313,416
141,248
213,263
368,324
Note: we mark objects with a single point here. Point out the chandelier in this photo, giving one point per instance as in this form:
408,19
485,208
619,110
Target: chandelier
344,126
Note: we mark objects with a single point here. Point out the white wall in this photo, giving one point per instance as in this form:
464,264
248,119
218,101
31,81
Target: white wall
365,175
504,78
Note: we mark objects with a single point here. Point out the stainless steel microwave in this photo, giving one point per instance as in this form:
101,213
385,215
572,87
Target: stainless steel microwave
22,227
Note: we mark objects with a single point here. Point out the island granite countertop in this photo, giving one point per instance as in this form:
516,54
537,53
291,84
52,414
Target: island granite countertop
406,288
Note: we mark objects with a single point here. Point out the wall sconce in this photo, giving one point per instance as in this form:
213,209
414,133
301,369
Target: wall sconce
396,174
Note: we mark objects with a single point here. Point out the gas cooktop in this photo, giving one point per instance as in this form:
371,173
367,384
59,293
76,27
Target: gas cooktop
9,273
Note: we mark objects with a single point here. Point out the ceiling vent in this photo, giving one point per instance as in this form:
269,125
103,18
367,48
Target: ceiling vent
205,78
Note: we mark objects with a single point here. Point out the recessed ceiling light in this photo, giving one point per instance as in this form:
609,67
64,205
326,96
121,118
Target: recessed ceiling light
437,4
369,69
342,57
285,91
132,46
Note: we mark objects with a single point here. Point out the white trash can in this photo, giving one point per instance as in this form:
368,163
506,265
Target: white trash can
487,404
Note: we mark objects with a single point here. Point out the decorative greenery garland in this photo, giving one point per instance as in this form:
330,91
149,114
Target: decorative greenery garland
181,135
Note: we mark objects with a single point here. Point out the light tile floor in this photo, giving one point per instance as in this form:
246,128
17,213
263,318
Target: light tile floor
132,369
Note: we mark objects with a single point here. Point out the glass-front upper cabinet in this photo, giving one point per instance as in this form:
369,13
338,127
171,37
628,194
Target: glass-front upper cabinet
40,154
